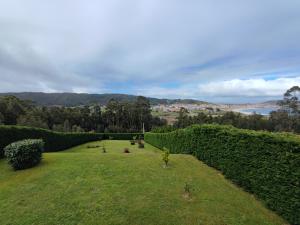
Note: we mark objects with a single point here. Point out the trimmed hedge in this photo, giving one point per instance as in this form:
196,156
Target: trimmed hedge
24,154
54,141
263,163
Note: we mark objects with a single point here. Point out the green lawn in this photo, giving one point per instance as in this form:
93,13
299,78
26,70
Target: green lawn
85,186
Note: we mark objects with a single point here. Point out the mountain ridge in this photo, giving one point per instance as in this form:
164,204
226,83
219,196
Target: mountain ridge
76,99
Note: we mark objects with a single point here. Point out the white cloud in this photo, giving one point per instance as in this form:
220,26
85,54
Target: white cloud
236,90
248,88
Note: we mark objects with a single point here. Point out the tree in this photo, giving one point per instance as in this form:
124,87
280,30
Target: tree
11,108
1,118
290,102
143,109
32,119
183,119
67,127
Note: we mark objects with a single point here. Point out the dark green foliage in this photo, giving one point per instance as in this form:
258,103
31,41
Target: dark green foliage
24,154
54,141
263,163
163,129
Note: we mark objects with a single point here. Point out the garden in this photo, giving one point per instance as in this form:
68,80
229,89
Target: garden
113,181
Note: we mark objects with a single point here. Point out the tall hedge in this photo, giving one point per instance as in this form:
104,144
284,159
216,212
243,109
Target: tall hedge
263,163
54,141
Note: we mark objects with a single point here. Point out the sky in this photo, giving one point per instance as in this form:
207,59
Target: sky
214,50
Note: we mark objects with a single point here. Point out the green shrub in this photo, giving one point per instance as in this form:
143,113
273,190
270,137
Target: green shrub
187,190
24,154
165,156
126,150
141,145
263,163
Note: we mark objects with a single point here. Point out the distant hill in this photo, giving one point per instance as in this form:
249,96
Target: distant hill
75,99
271,102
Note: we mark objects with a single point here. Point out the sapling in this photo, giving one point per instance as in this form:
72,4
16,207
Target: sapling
187,190
126,150
134,138
165,156
103,148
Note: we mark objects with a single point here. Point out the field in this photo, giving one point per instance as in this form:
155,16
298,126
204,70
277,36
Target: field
82,185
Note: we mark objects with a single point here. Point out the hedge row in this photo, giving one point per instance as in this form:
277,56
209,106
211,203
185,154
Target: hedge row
263,163
54,141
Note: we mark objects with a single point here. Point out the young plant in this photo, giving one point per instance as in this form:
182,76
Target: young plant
141,144
103,148
132,142
126,150
187,190
165,156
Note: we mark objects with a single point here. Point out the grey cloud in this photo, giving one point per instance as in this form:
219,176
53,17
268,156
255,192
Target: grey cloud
86,45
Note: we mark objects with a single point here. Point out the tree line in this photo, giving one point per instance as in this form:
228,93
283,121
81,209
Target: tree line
114,117
136,116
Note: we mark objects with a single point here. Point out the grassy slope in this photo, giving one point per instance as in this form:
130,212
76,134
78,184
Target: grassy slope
84,186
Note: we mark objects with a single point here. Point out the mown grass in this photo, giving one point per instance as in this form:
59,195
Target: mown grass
85,186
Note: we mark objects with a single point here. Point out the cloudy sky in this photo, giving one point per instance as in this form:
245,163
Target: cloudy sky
221,51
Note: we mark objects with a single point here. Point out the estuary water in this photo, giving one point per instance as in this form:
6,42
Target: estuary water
262,111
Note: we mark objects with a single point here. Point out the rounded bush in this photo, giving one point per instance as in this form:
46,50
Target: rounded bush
24,154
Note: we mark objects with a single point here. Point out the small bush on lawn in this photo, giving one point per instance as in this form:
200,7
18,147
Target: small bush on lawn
132,142
24,154
165,156
126,150
141,144
103,148
187,189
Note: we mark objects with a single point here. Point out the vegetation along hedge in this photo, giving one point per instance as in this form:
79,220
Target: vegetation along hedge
122,136
54,141
263,163
24,154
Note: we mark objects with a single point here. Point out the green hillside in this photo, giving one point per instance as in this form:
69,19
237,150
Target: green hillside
76,99
85,186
